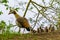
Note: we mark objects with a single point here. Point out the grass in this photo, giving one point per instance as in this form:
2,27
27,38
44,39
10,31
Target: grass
45,36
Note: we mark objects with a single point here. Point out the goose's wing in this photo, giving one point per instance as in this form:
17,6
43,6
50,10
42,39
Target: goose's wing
23,21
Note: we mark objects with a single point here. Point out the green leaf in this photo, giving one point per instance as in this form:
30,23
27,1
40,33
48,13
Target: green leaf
31,8
4,1
2,24
16,9
6,8
1,12
31,20
5,4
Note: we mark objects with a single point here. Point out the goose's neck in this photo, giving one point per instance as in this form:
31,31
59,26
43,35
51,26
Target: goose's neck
16,15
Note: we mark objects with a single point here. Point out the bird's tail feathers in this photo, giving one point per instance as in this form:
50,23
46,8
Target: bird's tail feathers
28,29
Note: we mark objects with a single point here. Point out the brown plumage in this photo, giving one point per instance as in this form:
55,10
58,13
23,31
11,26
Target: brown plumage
20,21
23,22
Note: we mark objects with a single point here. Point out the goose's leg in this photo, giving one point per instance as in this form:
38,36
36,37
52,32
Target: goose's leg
23,30
19,30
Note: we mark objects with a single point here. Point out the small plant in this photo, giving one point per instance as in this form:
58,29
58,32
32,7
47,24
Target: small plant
2,25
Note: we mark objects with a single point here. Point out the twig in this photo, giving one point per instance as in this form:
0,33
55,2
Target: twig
43,14
38,4
36,17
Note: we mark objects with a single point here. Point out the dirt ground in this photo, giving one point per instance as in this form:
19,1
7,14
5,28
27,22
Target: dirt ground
41,36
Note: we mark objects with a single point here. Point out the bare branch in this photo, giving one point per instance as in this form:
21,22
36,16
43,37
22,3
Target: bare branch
43,14
36,17
27,8
38,4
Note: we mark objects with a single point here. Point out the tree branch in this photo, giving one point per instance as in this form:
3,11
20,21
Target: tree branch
44,15
36,17
38,4
27,8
